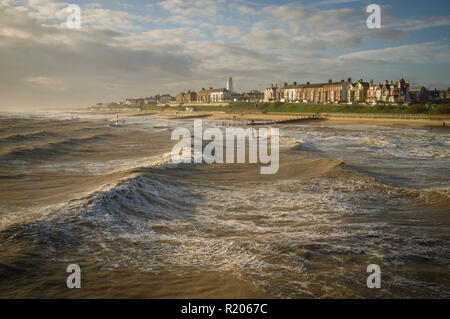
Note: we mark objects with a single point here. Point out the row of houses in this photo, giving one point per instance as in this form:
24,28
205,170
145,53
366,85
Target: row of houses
212,95
346,91
420,94
343,91
157,99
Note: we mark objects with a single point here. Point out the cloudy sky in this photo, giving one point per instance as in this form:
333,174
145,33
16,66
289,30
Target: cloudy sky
140,48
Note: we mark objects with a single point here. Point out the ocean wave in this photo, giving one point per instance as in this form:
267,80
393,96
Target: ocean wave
44,151
434,195
368,141
151,220
28,136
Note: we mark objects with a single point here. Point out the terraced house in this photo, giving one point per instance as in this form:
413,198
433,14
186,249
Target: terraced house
220,95
388,92
357,92
330,92
336,92
187,97
270,93
204,96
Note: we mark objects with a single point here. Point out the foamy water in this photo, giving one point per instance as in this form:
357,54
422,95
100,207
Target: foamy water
108,198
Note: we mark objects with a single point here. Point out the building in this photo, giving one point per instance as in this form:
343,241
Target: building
417,95
439,96
166,98
151,100
130,101
330,92
291,92
190,97
252,96
187,97
220,95
374,92
336,92
270,93
204,96
357,92
181,98
445,95
388,92
312,92
230,84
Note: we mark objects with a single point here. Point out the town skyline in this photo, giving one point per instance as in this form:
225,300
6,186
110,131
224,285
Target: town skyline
125,49
333,91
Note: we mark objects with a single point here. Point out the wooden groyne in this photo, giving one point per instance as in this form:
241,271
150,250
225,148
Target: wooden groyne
193,116
288,120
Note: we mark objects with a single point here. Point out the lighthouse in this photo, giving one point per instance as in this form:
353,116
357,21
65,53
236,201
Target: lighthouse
230,84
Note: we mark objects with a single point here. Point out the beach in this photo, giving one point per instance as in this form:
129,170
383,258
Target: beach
79,189
405,121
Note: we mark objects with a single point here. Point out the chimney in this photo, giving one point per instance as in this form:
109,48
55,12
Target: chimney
330,81
342,81
307,83
203,89
285,84
210,87
294,83
271,86
349,79
371,82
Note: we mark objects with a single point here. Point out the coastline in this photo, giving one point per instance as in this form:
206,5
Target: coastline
103,197
405,121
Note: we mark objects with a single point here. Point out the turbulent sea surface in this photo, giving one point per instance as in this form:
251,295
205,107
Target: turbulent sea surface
109,199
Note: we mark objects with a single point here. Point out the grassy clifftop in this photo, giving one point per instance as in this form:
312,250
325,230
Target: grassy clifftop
344,108
302,108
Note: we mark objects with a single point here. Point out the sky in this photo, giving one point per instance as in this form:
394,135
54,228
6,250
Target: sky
141,48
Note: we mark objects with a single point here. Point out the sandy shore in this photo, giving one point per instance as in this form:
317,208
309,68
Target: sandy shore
429,123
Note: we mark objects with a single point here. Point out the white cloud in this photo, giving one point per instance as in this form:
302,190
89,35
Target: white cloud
189,44
208,8
428,52
47,82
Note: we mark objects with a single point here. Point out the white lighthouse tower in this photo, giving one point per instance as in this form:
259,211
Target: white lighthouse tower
230,84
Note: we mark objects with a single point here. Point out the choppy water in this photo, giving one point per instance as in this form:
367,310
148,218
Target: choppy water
109,199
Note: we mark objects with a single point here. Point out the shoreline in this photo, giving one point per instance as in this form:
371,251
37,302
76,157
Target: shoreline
434,123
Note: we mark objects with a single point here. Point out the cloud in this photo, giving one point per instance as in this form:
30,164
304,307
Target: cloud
175,35
176,45
46,82
429,52
208,8
53,66
231,32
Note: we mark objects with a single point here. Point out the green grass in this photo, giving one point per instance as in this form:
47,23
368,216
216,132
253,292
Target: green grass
304,108
343,108
206,108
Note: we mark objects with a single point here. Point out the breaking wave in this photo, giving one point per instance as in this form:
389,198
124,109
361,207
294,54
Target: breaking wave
27,137
42,152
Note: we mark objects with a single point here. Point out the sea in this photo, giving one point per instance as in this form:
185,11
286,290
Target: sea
107,197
